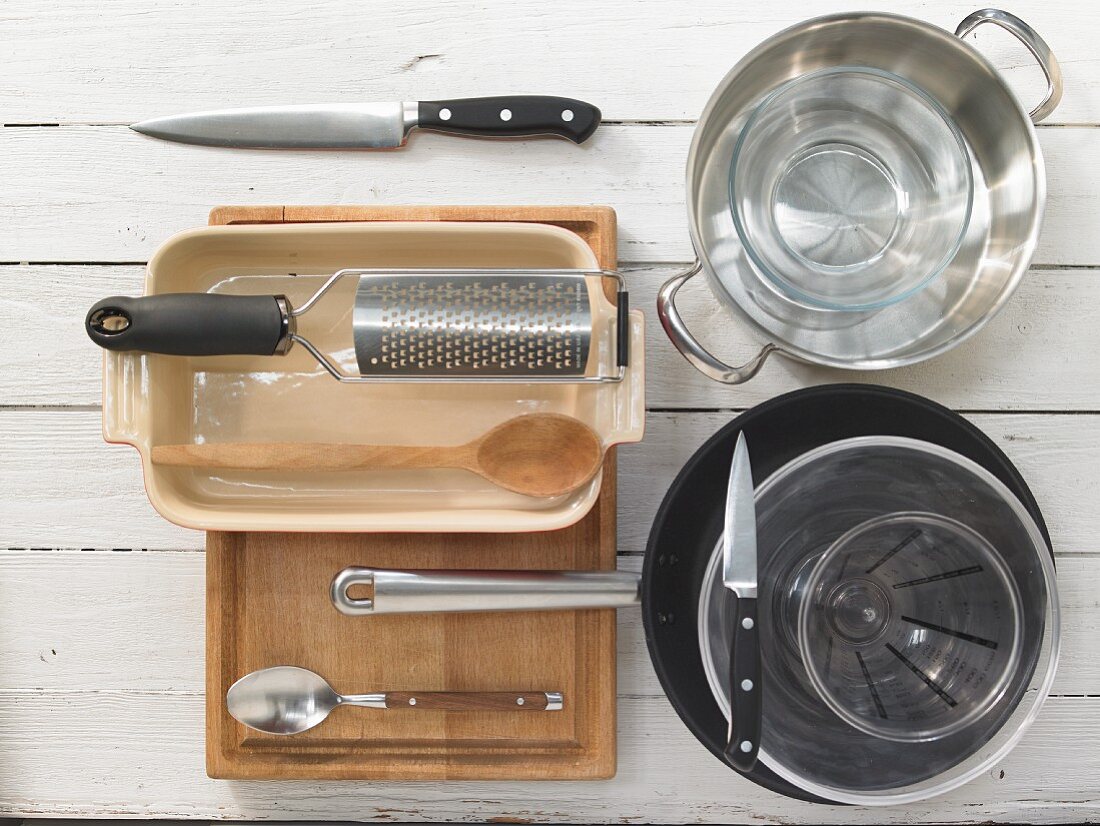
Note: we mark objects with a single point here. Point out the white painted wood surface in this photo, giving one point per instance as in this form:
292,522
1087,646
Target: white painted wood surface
101,601
118,194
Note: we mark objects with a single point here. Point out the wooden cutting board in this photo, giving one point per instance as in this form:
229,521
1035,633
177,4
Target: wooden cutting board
267,604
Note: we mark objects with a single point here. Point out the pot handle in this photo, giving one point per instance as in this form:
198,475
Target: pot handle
1034,43
686,343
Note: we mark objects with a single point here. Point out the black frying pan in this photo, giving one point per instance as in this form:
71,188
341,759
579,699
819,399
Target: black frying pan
689,521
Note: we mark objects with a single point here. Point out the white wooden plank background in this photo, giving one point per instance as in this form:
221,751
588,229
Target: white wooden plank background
106,193
101,601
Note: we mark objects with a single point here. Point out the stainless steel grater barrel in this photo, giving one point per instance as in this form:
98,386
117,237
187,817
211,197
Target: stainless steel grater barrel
481,325
515,325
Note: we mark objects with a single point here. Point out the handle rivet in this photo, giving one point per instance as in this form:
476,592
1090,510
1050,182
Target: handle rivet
746,685
505,114
567,115
746,746
412,701
444,114
747,623
519,701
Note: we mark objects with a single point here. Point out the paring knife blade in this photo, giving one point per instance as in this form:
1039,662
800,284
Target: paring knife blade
739,575
376,125
739,539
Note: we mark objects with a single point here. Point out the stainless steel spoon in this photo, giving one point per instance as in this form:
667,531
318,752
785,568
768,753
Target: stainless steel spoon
286,699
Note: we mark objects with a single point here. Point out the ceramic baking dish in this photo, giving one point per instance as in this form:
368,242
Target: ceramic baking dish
154,399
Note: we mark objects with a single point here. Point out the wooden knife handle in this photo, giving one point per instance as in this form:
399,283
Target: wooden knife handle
475,700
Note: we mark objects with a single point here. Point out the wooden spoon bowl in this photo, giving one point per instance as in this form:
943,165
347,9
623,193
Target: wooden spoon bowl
541,454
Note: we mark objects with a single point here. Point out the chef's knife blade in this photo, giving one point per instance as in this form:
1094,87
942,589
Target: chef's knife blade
322,126
376,125
739,575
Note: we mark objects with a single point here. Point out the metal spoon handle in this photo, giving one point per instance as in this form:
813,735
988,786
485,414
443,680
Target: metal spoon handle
460,700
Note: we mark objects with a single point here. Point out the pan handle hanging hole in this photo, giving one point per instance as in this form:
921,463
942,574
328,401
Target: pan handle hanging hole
110,321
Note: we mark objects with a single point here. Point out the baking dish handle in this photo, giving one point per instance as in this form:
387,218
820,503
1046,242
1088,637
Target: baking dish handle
690,348
1034,43
123,378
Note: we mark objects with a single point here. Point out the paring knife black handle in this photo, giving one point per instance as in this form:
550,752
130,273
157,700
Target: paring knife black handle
189,324
512,116
745,688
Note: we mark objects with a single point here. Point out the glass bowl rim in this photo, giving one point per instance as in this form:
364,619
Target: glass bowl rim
784,286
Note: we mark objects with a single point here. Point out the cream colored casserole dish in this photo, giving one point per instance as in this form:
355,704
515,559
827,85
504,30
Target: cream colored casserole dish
156,399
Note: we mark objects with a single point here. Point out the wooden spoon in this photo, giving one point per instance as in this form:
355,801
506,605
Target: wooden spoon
540,454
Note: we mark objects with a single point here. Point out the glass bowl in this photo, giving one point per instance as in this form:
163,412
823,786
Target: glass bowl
850,188
830,498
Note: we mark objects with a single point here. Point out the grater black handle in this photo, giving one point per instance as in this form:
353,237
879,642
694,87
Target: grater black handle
191,324
622,346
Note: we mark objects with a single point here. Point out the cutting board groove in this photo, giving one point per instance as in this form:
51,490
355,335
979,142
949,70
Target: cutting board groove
266,605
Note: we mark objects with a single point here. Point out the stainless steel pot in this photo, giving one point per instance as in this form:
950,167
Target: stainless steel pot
1009,190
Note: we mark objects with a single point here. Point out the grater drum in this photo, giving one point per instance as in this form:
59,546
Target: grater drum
480,325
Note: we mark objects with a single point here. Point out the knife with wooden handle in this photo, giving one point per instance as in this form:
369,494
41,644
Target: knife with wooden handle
377,125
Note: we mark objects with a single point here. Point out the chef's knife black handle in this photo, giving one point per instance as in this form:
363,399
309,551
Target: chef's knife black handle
190,324
513,116
745,688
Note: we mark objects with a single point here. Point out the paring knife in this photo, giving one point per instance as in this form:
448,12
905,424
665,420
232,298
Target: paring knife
377,125
739,575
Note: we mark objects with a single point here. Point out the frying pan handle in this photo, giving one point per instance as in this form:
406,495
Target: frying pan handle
429,592
192,324
690,348
1034,43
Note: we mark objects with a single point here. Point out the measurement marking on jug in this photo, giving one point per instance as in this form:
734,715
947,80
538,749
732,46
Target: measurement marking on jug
844,568
928,681
962,635
890,553
973,569
879,707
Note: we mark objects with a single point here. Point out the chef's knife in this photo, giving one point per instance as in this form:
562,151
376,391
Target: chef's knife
377,125
739,574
